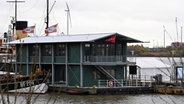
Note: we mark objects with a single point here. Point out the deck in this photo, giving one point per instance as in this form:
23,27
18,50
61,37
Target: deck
128,86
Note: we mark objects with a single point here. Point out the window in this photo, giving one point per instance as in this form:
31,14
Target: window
119,49
60,49
87,49
33,50
100,49
46,49
103,49
111,50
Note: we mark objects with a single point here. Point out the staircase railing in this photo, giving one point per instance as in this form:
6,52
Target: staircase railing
104,71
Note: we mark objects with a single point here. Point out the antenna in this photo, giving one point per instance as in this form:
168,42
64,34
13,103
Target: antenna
68,18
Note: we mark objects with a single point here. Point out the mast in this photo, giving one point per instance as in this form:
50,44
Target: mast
15,18
47,17
15,2
47,22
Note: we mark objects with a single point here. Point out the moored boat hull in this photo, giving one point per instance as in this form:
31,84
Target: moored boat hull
36,84
36,89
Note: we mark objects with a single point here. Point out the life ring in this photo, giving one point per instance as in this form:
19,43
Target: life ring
110,83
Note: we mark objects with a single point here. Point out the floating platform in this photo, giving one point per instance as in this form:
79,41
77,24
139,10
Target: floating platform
176,90
105,90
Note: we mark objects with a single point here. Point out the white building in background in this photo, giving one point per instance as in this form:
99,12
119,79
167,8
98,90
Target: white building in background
170,68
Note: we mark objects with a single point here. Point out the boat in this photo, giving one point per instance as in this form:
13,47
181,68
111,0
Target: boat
77,92
14,82
11,81
33,83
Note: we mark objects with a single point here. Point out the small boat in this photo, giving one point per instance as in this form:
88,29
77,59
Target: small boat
33,83
77,92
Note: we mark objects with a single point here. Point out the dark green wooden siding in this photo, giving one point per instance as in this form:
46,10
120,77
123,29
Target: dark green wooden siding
73,75
59,59
74,53
47,59
119,72
88,77
124,50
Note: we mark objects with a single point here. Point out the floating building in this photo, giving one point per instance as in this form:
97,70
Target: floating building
82,60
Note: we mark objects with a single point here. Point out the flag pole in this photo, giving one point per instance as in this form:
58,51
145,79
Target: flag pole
47,21
34,30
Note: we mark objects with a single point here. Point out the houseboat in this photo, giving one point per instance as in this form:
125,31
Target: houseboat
82,62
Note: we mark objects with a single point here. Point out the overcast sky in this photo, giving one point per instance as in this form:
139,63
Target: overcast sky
139,19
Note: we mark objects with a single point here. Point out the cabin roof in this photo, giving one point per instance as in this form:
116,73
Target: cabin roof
73,38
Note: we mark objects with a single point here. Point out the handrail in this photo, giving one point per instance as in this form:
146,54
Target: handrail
113,58
102,69
143,81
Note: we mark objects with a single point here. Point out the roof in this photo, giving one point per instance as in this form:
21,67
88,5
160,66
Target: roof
151,62
72,38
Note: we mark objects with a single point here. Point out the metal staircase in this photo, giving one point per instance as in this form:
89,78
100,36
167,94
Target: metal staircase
105,72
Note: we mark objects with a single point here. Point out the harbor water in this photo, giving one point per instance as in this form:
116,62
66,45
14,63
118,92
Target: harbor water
61,98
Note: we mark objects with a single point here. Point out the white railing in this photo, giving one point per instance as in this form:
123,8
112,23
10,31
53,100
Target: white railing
141,81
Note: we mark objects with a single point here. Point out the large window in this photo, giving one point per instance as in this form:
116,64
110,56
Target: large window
46,49
87,49
100,49
103,52
60,50
33,50
119,49
110,49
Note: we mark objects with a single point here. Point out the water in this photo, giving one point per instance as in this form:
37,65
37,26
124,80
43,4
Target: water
55,98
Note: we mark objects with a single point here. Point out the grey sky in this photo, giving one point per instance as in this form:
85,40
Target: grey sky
140,19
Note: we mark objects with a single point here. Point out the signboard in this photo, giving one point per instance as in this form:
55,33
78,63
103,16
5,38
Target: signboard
179,72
